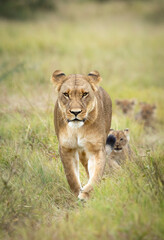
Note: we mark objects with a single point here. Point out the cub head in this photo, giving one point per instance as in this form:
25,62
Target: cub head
76,96
122,138
126,105
147,110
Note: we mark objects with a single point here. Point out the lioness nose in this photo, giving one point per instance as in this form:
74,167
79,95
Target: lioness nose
75,112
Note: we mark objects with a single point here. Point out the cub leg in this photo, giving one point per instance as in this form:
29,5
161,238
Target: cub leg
113,164
70,160
84,160
96,166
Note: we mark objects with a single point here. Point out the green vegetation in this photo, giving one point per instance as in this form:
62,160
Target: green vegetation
125,44
21,9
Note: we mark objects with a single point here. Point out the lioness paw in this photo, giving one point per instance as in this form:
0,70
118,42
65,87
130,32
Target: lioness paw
83,196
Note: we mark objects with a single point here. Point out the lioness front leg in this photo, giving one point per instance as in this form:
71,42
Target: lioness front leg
84,160
96,166
70,162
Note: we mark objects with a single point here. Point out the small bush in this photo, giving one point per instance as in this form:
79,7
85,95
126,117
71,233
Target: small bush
22,8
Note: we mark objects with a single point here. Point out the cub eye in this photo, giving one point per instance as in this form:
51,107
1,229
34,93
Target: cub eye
84,94
121,139
66,95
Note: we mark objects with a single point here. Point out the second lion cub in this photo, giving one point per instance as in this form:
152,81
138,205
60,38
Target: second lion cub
121,150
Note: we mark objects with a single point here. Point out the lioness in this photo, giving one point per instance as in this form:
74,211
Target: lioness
82,119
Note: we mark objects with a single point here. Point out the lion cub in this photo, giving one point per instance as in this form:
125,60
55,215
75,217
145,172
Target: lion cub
127,106
146,114
121,150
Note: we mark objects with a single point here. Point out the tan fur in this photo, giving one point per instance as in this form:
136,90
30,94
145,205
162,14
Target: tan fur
127,106
146,114
121,150
82,140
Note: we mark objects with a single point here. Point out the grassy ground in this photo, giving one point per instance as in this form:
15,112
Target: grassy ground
124,42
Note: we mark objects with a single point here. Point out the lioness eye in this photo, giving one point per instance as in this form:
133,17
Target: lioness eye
85,94
66,94
121,139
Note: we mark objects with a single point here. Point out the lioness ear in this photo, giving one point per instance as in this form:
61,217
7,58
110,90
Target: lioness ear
94,79
58,78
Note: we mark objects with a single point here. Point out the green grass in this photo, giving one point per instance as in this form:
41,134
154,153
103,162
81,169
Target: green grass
124,42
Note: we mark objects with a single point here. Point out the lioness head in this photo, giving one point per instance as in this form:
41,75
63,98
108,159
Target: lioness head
76,95
122,138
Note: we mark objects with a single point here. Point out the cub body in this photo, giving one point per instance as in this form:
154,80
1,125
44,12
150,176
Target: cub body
82,119
121,150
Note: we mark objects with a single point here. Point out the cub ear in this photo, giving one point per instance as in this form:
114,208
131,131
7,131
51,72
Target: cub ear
154,106
117,101
58,78
94,79
110,131
142,103
133,101
127,133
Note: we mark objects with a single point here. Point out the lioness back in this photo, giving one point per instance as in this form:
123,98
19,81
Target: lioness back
107,108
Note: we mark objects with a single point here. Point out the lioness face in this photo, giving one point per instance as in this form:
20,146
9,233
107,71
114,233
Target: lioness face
76,98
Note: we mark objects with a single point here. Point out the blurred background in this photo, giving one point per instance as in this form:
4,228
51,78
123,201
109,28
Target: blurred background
124,41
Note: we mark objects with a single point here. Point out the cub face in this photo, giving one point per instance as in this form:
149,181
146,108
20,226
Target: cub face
122,139
147,111
126,105
76,96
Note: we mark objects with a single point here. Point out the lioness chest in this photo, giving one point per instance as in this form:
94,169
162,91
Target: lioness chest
72,138
75,138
